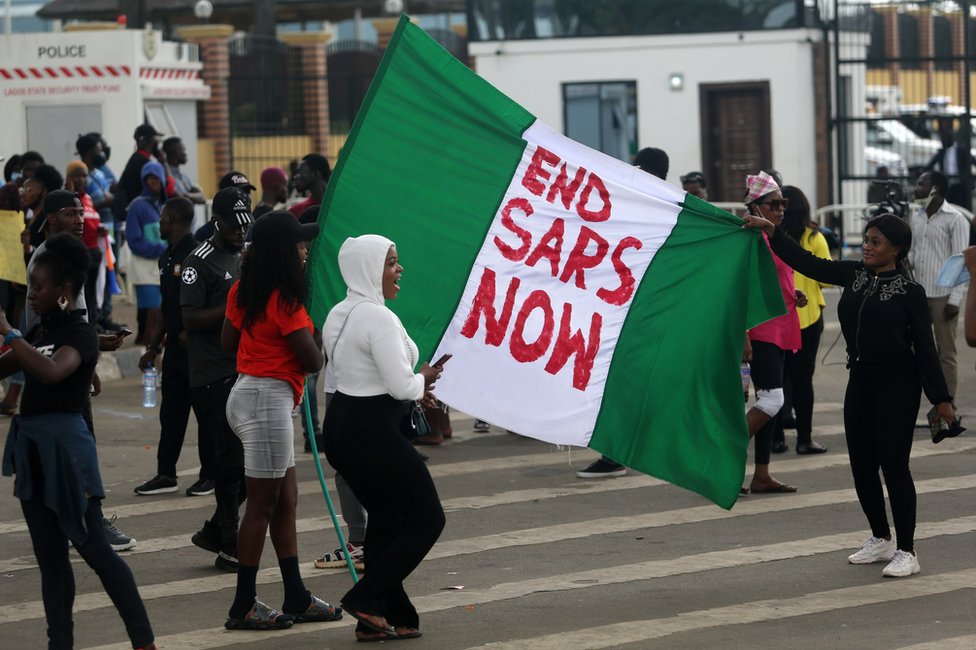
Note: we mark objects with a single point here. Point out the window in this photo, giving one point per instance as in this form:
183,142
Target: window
603,116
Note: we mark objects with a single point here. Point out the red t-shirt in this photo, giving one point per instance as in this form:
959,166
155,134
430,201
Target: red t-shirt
301,206
92,221
263,350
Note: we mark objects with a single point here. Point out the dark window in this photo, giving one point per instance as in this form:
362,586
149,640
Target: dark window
876,51
603,116
942,43
908,41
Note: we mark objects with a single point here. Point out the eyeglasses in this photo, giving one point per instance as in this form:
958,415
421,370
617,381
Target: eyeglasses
777,204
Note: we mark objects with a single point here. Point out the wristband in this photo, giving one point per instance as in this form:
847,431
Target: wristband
11,335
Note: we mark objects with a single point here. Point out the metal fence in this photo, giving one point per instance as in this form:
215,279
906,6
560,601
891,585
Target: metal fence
902,96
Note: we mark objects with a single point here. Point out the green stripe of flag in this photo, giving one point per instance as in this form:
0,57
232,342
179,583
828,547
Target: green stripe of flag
420,157
673,401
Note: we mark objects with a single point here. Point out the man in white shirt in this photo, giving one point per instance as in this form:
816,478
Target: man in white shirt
938,231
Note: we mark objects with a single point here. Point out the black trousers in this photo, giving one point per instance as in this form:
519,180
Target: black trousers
767,374
364,444
58,580
91,282
798,369
210,404
880,409
174,415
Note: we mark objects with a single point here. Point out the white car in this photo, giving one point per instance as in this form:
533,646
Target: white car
876,157
895,137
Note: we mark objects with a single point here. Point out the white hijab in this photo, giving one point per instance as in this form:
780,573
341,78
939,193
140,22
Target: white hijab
362,261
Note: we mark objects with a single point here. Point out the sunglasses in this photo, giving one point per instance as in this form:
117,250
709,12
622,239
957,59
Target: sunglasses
777,204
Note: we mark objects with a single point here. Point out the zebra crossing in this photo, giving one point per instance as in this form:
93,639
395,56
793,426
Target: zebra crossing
534,558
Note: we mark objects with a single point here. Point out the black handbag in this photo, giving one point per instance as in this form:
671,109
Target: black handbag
414,423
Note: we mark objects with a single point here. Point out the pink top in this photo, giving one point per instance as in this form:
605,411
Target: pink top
782,331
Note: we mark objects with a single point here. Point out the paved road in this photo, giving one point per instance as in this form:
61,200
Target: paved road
534,558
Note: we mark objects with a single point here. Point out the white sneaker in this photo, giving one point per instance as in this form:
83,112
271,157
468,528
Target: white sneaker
875,549
902,565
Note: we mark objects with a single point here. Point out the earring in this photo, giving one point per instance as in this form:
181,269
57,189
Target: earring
63,302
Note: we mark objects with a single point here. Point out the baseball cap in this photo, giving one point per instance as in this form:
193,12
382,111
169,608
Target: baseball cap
694,177
145,131
280,228
235,179
60,199
231,202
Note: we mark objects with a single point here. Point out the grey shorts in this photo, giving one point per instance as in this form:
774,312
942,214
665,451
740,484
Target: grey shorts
259,411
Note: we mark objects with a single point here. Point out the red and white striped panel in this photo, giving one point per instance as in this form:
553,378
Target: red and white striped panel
66,72
176,74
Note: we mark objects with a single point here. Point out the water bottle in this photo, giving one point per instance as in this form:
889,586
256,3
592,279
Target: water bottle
149,387
746,379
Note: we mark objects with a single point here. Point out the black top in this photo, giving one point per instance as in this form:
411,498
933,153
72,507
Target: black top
884,316
130,182
207,275
70,395
170,268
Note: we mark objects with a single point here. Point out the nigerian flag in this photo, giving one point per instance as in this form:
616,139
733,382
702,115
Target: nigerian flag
585,301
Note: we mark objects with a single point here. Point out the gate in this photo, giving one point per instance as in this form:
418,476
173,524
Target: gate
267,116
901,91
352,65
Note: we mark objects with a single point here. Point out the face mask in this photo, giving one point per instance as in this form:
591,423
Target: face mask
924,202
16,176
99,159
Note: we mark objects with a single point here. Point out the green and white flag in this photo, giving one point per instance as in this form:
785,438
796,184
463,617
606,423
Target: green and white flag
585,301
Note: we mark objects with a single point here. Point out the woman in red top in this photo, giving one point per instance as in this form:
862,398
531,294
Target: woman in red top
266,323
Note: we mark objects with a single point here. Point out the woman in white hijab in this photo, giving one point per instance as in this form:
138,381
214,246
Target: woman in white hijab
374,359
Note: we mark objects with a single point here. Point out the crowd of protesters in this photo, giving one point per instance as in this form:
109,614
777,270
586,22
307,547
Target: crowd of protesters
223,305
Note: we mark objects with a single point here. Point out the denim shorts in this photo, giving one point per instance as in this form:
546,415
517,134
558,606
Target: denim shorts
259,411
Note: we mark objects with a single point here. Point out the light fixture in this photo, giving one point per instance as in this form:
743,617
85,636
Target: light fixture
676,81
203,9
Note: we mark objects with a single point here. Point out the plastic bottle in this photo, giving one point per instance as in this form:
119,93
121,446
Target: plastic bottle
149,387
746,380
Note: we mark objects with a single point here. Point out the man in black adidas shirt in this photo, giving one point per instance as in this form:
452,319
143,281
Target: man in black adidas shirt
175,227
207,275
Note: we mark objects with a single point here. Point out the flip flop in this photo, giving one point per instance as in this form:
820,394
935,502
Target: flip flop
782,488
374,637
414,633
743,491
369,625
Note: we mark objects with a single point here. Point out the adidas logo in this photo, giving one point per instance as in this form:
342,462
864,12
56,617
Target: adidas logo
240,205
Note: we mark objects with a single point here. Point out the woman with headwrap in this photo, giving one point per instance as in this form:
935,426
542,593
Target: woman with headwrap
891,356
767,343
374,359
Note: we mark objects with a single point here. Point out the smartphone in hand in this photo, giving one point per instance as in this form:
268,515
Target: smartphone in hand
440,362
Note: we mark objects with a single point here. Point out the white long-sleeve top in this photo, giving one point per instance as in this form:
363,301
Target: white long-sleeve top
368,348
374,355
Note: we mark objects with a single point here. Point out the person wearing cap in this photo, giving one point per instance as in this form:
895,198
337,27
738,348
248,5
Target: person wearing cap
130,183
653,161
207,275
274,191
694,183
765,344
276,345
312,176
233,179
147,246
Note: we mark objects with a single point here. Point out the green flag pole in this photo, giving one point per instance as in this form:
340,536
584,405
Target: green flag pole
307,414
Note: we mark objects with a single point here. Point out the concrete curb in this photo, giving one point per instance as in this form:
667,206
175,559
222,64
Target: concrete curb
120,364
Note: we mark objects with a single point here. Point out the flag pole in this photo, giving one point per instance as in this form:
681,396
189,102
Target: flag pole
307,414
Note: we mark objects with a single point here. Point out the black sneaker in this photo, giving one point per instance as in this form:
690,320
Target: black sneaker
201,488
208,537
602,468
227,560
118,540
158,484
